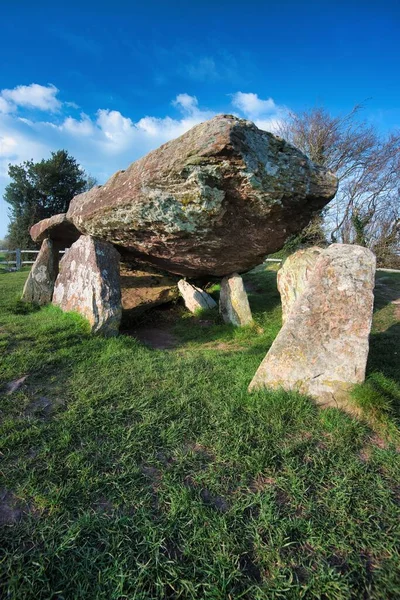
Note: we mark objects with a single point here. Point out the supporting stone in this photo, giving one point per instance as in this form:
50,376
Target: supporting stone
39,286
88,283
322,348
233,302
195,298
293,276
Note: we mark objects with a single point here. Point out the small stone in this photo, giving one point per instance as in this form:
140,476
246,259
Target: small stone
58,227
233,302
195,298
88,283
293,276
39,286
322,348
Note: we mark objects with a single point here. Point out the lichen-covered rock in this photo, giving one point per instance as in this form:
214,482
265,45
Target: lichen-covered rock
88,283
214,201
39,286
322,348
58,228
142,288
233,302
194,297
293,276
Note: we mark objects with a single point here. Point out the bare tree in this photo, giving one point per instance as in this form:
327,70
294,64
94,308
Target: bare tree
366,209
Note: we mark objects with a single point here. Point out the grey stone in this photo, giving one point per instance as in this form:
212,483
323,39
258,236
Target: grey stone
195,298
233,302
39,286
322,348
88,283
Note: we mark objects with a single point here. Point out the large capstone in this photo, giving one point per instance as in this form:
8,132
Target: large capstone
39,286
293,276
88,283
212,202
322,348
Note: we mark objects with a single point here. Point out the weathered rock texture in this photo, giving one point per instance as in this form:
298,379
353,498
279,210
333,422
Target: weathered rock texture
233,302
293,276
39,286
88,283
195,298
322,348
143,288
212,202
58,228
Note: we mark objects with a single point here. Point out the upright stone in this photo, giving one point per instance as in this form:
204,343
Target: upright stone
195,298
322,348
233,302
39,286
293,276
89,283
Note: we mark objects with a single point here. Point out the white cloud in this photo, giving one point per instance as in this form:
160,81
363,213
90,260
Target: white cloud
266,114
33,96
186,103
5,107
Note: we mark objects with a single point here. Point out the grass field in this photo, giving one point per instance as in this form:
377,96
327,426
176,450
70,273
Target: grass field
134,473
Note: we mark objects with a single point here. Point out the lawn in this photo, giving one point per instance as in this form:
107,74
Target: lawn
135,473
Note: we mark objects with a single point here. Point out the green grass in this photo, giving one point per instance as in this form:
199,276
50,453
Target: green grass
144,474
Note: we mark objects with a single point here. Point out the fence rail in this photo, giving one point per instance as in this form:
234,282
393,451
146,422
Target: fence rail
18,262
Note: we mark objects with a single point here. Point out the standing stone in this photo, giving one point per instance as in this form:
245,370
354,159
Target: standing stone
233,302
293,276
194,297
88,283
322,348
39,286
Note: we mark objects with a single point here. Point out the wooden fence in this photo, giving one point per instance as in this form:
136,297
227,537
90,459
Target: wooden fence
19,261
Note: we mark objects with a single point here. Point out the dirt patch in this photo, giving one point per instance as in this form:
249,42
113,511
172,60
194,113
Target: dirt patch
11,508
42,407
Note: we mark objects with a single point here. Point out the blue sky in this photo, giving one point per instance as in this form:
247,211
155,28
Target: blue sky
109,81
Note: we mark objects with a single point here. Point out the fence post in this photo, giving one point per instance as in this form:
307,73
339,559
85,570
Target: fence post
18,263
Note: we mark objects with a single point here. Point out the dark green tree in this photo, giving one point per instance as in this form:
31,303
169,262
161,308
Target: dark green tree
39,190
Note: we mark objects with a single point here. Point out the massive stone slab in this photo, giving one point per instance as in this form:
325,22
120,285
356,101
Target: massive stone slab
39,286
293,276
212,202
58,228
194,297
322,348
89,283
233,302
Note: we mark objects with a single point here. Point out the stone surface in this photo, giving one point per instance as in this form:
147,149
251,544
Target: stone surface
194,297
58,228
39,286
293,276
143,288
88,283
322,348
233,302
212,202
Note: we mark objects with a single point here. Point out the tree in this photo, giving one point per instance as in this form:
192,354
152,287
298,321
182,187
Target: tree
40,190
367,165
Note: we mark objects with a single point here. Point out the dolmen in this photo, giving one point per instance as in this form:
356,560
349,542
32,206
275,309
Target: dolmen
209,204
